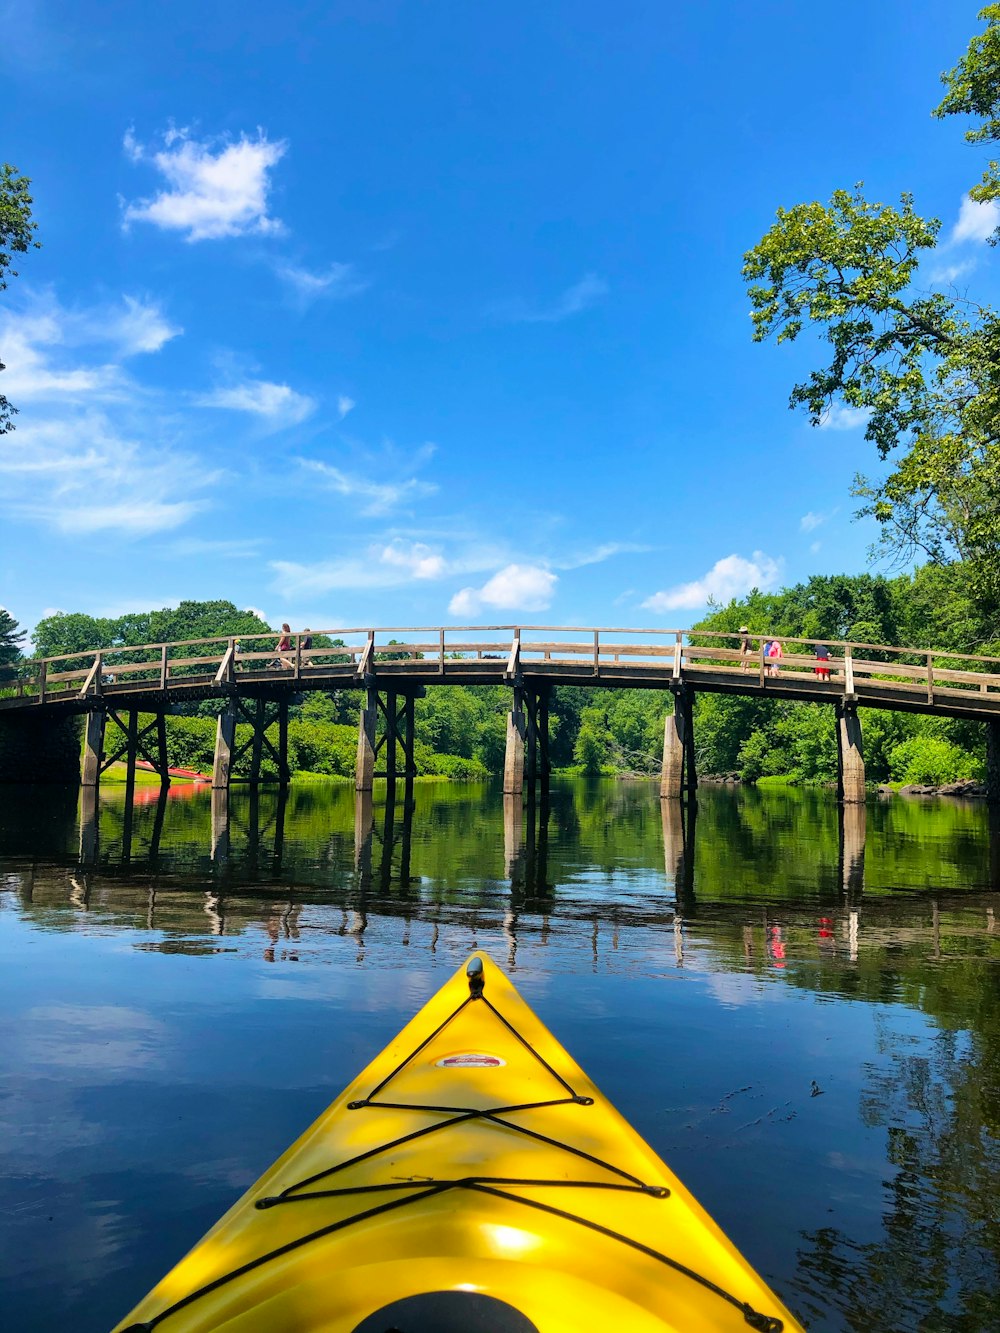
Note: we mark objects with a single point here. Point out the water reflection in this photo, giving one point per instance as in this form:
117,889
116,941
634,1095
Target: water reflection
798,1006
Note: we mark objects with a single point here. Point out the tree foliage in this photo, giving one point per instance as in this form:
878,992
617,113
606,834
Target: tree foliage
920,366
17,236
973,89
10,638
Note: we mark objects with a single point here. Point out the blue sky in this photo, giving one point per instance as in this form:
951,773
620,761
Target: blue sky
362,312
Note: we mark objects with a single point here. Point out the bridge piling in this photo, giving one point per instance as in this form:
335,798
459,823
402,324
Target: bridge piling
993,762
225,741
850,756
527,753
365,772
513,764
93,747
678,773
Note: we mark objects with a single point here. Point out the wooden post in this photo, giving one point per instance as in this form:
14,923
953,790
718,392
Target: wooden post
850,756
93,747
441,642
930,679
257,744
225,740
284,775
161,749
530,738
542,723
163,667
130,756
676,748
513,837
220,815
365,773
513,767
848,674
89,824
993,761
853,827
391,736
409,763
42,673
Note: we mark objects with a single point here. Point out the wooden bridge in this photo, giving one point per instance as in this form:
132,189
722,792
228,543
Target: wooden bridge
394,666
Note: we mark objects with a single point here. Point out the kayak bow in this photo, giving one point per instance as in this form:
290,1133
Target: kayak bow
471,1178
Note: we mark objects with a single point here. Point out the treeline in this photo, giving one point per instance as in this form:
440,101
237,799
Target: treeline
461,731
932,607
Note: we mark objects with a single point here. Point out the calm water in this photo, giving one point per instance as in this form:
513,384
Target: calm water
802,1016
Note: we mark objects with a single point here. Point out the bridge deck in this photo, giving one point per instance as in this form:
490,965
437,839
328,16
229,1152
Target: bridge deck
156,676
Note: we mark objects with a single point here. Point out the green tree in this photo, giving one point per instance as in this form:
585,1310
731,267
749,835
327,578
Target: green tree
920,365
973,89
10,639
17,236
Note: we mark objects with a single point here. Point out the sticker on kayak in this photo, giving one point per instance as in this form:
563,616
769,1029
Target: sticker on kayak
471,1060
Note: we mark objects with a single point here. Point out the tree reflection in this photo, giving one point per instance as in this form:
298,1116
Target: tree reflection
936,1267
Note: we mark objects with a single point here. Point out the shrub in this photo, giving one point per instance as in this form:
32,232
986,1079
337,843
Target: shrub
929,760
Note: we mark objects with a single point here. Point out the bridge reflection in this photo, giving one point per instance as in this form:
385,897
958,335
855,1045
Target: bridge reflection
212,871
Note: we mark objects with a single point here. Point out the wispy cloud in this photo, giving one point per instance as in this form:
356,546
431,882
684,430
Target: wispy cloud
596,555
214,188
81,475
336,282
573,300
948,273
278,404
839,417
378,497
384,565
976,222
345,405
44,344
810,522
732,576
514,588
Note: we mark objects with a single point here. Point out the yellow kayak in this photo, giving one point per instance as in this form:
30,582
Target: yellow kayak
472,1178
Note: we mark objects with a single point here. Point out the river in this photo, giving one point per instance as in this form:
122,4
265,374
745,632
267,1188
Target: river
801,1015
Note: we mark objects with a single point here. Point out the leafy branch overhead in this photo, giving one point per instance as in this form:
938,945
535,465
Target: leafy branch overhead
17,236
973,89
920,366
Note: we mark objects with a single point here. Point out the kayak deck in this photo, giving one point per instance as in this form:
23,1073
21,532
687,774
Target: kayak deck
472,1177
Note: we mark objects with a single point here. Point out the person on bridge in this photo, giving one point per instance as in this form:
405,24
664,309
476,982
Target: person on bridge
822,661
746,651
285,646
774,656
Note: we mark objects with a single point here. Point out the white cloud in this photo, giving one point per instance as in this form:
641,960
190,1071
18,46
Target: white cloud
573,300
810,522
378,496
140,327
415,557
279,404
42,341
345,405
839,417
732,576
515,588
598,554
336,282
214,188
815,547
946,273
976,222
81,475
394,563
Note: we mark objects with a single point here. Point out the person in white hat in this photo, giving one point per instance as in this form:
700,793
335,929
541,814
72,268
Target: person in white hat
745,649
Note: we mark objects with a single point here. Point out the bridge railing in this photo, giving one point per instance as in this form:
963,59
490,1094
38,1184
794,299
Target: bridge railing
584,650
